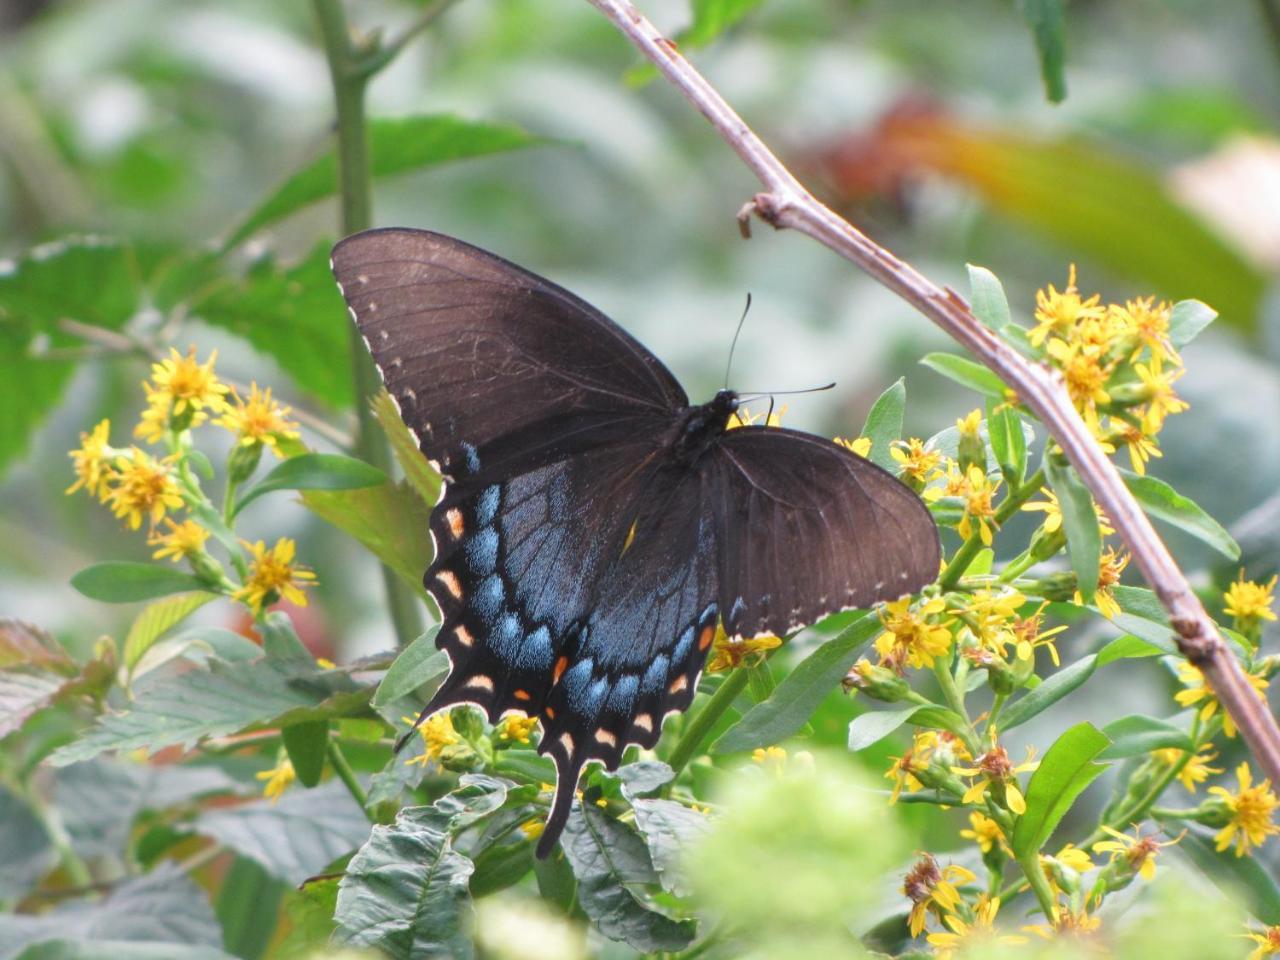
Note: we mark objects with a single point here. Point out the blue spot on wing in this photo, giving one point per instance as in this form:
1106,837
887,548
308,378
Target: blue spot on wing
623,696
655,678
683,646
489,597
535,652
482,551
487,505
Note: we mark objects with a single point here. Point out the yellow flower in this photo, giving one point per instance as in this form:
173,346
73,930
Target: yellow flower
981,930
155,418
1252,810
185,539
1194,771
910,638
1085,377
93,462
914,461
1141,447
728,652
989,615
742,417
260,419
189,385
978,508
437,733
970,423
1199,691
1159,394
1060,312
1029,636
1268,942
994,766
927,747
144,487
1138,851
277,779
929,887
532,829
1076,924
860,446
1110,566
1148,321
1052,510
517,728
274,575
324,663
1249,603
1075,858
986,833
771,758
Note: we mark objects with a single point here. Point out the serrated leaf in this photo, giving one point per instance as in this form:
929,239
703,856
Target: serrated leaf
669,829
987,298
121,582
305,743
800,692
406,890
1048,27
417,470
96,949
315,471
417,664
396,145
160,907
91,280
295,315
34,671
25,644
391,520
1187,320
884,424
1079,523
226,698
1066,769
1243,879
294,838
158,618
613,867
1136,734
1162,502
967,373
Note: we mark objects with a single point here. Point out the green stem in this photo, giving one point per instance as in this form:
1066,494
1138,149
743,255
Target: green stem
969,549
955,700
959,563
51,822
354,184
1031,869
700,724
348,776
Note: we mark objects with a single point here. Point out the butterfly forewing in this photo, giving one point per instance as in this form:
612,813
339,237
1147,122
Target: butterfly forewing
583,557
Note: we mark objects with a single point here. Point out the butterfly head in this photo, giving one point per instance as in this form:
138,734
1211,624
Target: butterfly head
702,426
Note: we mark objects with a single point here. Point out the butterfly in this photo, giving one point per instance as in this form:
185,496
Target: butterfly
594,526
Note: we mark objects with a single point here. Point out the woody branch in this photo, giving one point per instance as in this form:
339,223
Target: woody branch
785,204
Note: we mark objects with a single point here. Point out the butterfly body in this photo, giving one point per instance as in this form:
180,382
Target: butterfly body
595,526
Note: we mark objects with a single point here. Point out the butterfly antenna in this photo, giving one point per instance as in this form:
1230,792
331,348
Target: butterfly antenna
734,345
746,396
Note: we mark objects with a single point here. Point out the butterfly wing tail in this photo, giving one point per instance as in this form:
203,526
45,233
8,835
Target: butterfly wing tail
567,770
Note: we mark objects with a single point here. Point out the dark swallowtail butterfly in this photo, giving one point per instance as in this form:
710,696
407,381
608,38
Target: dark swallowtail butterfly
595,526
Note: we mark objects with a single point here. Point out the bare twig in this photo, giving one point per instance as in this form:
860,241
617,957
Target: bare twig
785,203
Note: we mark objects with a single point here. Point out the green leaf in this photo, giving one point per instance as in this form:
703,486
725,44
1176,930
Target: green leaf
417,470
306,743
1048,27
34,673
224,699
1065,770
396,145
556,882
800,692
1136,734
406,890
874,725
884,424
613,867
280,641
315,471
293,314
247,908
1161,501
417,664
500,866
1069,678
296,837
1079,523
1008,442
967,373
163,907
1242,879
1142,615
158,618
90,280
987,298
121,582
391,520
1127,647
713,17
669,830
1187,319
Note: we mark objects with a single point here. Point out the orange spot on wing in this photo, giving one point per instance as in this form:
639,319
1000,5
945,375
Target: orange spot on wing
523,695
708,634
560,665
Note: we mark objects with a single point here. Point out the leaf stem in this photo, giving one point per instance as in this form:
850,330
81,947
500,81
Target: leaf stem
700,724
354,187
1031,869
348,776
